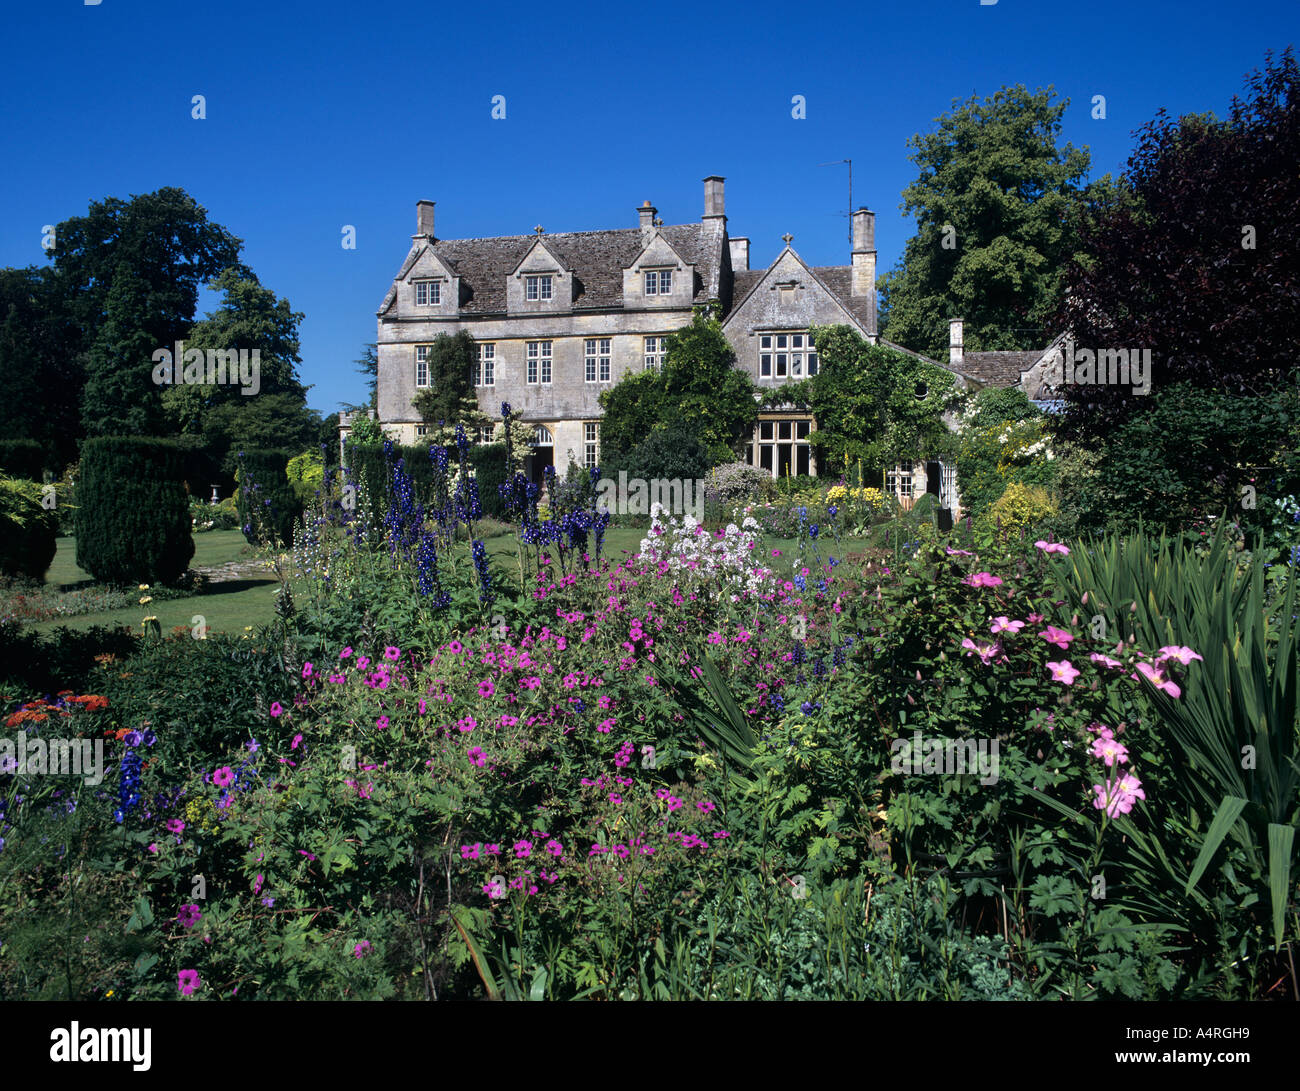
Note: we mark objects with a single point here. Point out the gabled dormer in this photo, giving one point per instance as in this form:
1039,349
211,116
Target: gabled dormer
540,283
426,286
659,278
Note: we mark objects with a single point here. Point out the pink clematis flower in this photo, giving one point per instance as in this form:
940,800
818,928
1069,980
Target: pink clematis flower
1109,750
1005,625
1178,653
1052,547
1064,672
1056,636
983,579
1157,679
1105,660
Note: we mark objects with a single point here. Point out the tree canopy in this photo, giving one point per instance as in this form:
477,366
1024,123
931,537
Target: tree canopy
993,205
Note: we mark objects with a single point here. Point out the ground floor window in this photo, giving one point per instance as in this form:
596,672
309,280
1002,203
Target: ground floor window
591,444
780,446
899,482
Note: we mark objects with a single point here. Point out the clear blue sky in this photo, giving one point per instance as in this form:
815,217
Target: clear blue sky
331,113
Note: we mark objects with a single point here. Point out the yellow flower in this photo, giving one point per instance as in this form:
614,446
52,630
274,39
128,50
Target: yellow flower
146,600
151,617
144,587
248,628
108,994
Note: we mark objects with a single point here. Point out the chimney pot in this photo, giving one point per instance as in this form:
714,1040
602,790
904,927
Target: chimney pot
739,248
864,231
864,252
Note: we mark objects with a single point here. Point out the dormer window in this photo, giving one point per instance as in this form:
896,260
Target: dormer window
659,282
537,288
428,293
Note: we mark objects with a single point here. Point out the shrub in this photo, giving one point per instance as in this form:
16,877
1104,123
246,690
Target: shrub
133,522
22,458
1020,508
737,482
267,502
27,530
491,471
672,451
306,473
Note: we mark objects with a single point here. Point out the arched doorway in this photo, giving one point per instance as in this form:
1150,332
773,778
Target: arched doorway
541,454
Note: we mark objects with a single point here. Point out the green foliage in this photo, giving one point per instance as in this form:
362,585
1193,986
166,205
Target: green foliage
133,516
228,419
267,502
992,173
490,470
306,474
1237,724
1189,454
1019,510
365,432
674,450
22,458
27,530
41,368
699,383
865,400
1002,440
449,397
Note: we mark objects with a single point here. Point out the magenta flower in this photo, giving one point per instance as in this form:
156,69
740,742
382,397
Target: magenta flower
983,579
306,670
470,852
986,652
523,849
297,741
361,949
175,825
1052,547
957,552
223,777
554,847
363,662
486,688
1005,625
346,652
187,982
476,756
1105,660
392,653
1117,797
189,915
1063,672
257,884
382,723
1056,636
276,709
1034,619
704,806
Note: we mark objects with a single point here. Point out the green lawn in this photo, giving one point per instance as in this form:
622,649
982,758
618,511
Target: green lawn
227,607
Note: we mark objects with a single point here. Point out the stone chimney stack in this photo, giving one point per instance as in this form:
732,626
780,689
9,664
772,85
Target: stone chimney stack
647,213
956,345
739,254
424,219
864,252
714,206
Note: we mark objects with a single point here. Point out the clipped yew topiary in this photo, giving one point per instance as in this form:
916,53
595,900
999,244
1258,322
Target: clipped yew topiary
133,514
265,497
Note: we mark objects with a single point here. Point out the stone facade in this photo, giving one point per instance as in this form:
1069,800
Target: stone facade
563,317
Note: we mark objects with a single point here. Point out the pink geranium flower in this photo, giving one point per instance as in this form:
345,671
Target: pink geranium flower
223,777
187,982
486,688
1063,672
392,653
476,756
1052,547
276,709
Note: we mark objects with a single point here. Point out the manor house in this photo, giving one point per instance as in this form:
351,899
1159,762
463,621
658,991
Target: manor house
559,318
